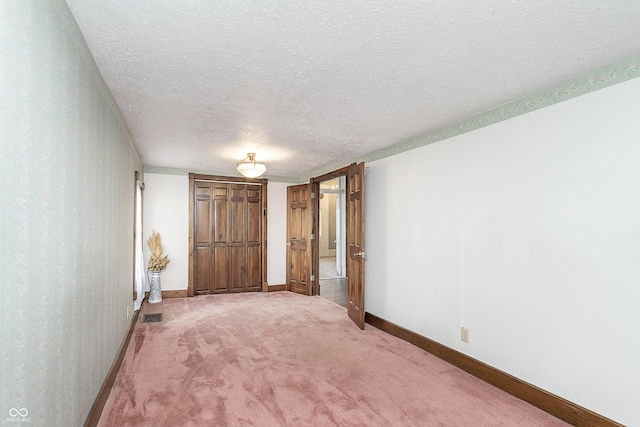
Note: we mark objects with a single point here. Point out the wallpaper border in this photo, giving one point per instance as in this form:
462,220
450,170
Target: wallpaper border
179,171
599,79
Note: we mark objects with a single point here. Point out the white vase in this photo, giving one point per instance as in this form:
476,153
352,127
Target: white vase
155,292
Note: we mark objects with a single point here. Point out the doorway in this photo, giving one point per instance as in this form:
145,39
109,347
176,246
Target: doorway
332,244
303,248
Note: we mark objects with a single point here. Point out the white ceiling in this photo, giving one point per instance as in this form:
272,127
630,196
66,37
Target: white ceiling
312,85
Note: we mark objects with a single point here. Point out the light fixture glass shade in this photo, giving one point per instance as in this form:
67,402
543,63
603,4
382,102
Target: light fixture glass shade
249,168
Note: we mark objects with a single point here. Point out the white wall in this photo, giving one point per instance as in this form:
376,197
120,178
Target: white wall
544,210
277,233
67,213
166,210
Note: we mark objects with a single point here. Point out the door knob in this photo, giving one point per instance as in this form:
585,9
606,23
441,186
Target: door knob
361,254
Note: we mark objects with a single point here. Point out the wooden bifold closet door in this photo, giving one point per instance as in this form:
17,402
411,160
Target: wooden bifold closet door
227,236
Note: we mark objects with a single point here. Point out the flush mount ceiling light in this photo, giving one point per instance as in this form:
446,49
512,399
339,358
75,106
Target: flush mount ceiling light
249,168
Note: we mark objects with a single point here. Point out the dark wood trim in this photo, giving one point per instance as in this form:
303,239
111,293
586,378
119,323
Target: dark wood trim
191,274
183,293
315,229
175,294
264,234
277,288
315,221
333,174
107,385
561,408
241,180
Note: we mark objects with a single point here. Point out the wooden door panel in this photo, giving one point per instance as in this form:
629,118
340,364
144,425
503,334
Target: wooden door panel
355,239
220,250
254,263
202,238
253,192
220,216
203,273
299,268
304,219
238,265
203,222
253,221
298,238
238,225
301,206
296,268
238,191
220,282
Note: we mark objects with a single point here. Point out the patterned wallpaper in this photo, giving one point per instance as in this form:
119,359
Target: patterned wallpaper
67,167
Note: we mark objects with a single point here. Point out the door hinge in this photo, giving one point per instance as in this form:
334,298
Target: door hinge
313,195
313,236
313,277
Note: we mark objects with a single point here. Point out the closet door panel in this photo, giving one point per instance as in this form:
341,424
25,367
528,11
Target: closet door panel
254,267
221,274
254,231
203,225
221,214
203,222
238,218
203,272
238,269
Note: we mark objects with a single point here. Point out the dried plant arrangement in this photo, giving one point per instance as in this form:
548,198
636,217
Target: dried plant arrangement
157,262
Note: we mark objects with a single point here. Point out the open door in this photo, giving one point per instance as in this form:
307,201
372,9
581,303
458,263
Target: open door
299,239
355,243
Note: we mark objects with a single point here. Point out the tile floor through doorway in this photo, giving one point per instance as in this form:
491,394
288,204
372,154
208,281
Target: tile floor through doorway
332,286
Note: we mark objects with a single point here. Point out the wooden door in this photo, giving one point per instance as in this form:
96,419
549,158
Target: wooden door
254,240
355,242
299,239
227,237
237,238
219,275
203,238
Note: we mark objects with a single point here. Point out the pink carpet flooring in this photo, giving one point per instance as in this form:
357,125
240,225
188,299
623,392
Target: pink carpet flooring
281,359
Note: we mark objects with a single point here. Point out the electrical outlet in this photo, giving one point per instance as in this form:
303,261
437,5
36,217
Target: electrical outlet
128,308
464,334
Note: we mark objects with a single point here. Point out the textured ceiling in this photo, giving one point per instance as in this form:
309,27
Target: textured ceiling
310,85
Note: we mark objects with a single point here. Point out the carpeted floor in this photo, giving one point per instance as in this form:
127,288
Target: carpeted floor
281,359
